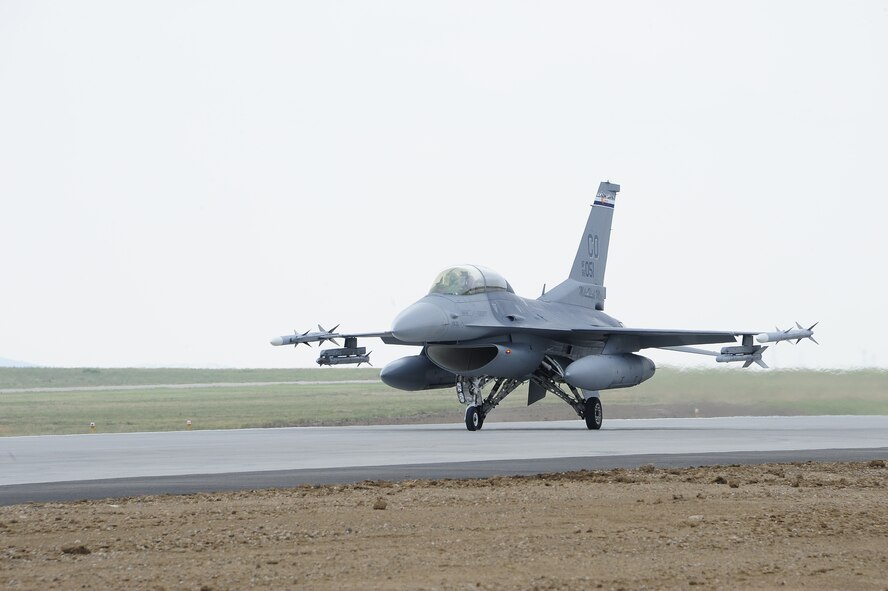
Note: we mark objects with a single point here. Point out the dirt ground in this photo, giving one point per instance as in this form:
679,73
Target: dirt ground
803,525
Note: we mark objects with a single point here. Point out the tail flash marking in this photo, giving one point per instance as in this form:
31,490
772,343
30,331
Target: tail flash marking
605,199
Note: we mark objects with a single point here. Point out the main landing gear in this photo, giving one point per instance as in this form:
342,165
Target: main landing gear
474,418
478,406
550,377
592,413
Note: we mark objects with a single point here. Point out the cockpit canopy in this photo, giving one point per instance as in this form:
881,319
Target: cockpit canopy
469,280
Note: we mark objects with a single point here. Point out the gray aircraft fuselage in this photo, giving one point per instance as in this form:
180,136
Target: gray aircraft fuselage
458,330
479,328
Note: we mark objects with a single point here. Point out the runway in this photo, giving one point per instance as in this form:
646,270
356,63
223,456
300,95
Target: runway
67,467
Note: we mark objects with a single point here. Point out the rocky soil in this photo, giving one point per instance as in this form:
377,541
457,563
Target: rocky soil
804,525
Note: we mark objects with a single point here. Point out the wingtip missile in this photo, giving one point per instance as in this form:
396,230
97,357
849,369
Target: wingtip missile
790,334
307,338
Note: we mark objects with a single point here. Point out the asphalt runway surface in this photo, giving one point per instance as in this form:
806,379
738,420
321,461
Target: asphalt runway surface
71,467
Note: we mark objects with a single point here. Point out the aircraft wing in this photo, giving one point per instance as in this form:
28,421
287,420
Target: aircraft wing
614,340
627,340
619,339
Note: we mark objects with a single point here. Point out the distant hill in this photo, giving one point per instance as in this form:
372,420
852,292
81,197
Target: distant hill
13,363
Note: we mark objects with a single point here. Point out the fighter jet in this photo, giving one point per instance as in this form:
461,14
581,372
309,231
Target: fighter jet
482,339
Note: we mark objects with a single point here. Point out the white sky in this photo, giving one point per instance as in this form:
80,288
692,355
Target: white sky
182,181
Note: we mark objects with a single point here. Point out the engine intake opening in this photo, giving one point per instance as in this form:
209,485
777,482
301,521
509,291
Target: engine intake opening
462,359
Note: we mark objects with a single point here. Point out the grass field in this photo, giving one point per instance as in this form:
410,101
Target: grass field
40,377
670,393
724,392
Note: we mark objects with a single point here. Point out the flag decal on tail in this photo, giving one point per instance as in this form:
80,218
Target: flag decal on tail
605,200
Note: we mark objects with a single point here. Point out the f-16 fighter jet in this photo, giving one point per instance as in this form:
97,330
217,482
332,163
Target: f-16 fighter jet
478,336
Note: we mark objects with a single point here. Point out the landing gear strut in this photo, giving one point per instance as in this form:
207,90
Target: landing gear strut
549,376
468,392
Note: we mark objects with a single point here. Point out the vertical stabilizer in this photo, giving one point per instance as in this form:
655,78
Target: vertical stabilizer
585,284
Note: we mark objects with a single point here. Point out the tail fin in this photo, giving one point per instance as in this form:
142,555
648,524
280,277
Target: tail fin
585,284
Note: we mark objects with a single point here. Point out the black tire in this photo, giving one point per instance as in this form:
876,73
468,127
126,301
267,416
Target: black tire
473,418
593,414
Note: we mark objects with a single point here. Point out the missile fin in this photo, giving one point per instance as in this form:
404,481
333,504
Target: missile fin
815,340
296,333
334,330
325,331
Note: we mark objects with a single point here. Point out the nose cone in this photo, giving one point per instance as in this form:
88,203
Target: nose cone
420,323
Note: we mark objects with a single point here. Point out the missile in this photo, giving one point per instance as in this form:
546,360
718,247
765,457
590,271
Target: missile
307,337
747,358
790,334
748,354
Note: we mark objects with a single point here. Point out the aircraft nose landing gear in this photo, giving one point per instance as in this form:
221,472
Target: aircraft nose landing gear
468,391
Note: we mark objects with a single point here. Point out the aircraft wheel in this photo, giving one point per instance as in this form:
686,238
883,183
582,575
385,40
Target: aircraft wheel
473,418
593,415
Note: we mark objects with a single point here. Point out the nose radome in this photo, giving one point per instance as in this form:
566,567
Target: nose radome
420,323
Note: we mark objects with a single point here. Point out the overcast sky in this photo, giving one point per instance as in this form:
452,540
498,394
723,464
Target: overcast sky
182,181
